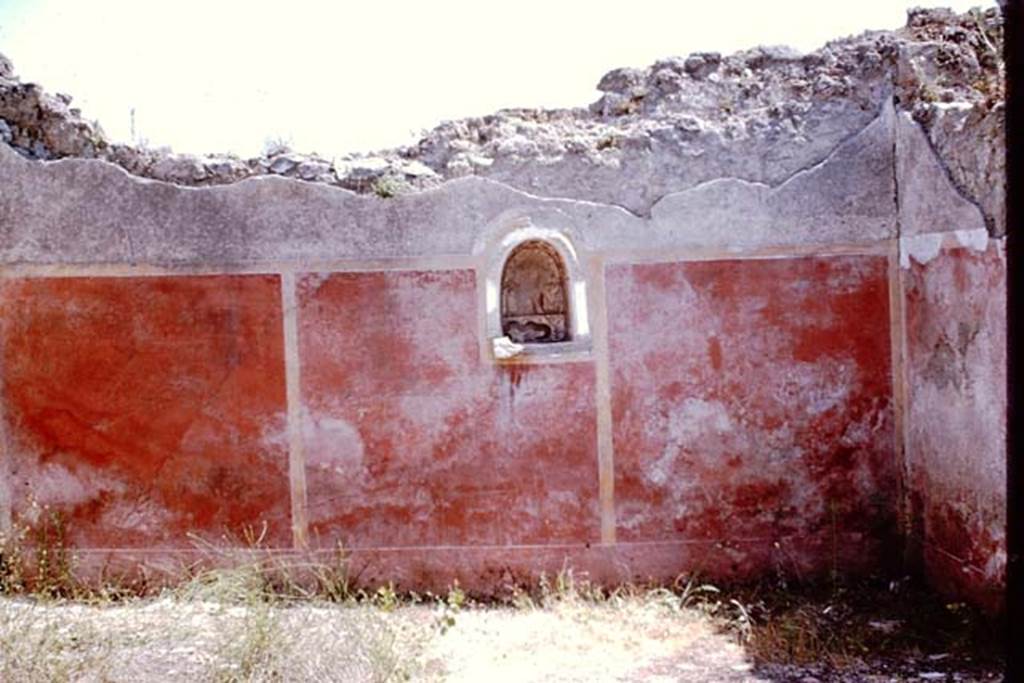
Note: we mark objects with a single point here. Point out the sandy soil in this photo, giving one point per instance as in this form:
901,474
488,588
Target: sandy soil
643,638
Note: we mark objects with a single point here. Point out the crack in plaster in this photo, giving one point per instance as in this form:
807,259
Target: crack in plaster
758,186
455,182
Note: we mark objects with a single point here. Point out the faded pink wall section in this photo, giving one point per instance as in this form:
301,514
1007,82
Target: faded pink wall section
752,402
412,441
956,349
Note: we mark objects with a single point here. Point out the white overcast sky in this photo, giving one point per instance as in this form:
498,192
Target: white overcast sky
333,77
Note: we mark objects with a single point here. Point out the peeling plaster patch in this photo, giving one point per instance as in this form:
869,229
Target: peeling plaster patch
995,568
274,435
823,385
696,417
332,443
312,280
142,516
924,247
976,239
920,248
6,481
687,424
54,484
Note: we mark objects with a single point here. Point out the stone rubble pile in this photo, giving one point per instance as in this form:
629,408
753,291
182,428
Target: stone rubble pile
760,114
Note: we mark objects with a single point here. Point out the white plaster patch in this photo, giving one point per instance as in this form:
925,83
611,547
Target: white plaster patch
976,239
856,434
143,516
953,106
995,568
825,388
332,443
921,248
274,436
688,424
54,484
697,416
505,348
310,282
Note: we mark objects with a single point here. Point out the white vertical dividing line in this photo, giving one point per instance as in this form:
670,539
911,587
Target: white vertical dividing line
296,457
6,483
898,339
603,400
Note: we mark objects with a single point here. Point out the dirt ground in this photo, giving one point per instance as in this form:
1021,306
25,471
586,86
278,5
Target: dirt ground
230,628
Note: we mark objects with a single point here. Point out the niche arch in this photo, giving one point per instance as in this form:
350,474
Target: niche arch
535,302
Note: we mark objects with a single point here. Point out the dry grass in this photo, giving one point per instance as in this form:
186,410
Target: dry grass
244,624
258,619
230,625
222,626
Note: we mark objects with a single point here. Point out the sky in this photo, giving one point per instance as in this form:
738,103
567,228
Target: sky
335,77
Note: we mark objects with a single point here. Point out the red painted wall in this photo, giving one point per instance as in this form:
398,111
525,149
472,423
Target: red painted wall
956,342
411,440
751,404
145,409
752,400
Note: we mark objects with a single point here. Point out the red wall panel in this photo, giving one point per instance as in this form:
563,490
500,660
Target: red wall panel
145,409
752,398
412,440
956,445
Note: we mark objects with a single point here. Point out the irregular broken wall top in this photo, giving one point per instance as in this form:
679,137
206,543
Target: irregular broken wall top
759,116
80,211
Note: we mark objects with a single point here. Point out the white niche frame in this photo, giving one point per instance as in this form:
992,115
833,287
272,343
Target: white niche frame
507,234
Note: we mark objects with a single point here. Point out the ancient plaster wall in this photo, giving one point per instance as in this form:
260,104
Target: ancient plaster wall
146,409
956,340
373,413
411,439
953,275
752,400
791,359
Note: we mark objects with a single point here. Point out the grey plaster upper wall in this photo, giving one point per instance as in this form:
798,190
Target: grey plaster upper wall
929,200
759,116
77,211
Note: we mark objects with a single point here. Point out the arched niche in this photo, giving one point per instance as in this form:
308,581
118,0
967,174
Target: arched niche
535,295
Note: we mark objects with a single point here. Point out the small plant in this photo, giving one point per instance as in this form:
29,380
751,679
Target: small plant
36,557
385,598
449,608
12,561
387,187
692,593
331,578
